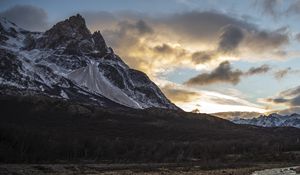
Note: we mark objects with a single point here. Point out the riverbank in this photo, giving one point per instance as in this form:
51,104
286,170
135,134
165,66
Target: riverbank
278,171
126,169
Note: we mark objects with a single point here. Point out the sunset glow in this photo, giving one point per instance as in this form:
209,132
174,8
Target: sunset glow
215,56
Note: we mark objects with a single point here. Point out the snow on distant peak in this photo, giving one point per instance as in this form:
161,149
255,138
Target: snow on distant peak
272,120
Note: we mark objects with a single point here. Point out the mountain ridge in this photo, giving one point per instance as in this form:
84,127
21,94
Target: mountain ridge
46,63
271,120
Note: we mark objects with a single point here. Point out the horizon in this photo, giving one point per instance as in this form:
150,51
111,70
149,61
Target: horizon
211,56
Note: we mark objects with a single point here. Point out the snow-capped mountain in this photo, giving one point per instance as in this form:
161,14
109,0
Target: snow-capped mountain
272,120
69,62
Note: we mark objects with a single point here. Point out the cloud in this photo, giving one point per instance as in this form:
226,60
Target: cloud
225,101
298,37
100,20
221,29
224,73
163,42
27,16
201,57
230,38
140,26
189,98
164,49
258,70
294,7
160,43
269,7
152,43
261,41
276,9
291,92
289,98
195,26
282,73
176,94
289,111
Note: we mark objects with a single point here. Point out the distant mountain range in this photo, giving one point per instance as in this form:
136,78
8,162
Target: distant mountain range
71,63
272,120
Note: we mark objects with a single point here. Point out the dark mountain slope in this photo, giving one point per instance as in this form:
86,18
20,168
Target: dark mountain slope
43,129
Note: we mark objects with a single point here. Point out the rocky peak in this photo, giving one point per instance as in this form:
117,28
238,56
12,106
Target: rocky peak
72,37
99,41
74,27
72,30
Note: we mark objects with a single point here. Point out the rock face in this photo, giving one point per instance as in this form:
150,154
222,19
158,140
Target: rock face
272,120
69,62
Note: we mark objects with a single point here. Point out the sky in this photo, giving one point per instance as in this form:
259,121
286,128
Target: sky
208,56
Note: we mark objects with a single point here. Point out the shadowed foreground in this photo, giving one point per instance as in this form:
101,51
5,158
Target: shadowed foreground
128,169
47,130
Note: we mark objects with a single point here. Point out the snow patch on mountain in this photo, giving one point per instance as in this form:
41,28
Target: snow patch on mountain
91,78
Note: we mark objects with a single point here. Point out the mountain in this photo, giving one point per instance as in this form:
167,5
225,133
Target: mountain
69,62
272,120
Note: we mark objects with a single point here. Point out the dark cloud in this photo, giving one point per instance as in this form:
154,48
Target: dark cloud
230,38
271,41
143,27
196,23
179,95
290,98
298,37
164,49
295,102
278,100
291,92
291,102
282,73
126,34
27,16
226,31
223,73
203,57
201,26
258,70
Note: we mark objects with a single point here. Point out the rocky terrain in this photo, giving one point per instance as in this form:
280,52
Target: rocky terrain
69,62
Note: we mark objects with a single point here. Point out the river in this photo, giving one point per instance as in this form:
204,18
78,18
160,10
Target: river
277,171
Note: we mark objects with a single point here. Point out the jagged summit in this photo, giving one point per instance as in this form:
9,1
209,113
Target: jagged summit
73,27
272,120
69,62
72,37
